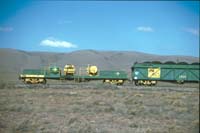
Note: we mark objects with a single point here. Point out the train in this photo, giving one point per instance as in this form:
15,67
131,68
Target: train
146,73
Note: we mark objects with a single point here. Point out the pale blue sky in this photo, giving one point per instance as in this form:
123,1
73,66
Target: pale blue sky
164,28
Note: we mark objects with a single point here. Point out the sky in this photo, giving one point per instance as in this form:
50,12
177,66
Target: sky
155,27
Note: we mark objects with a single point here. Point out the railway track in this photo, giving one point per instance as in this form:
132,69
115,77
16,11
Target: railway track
176,88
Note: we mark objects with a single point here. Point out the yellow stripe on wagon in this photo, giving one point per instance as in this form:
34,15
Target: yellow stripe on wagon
32,76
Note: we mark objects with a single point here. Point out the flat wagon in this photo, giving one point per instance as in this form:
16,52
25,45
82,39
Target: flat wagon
36,76
110,76
33,76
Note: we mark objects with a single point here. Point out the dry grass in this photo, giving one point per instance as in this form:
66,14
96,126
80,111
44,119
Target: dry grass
98,110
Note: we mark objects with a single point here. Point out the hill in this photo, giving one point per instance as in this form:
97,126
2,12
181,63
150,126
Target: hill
13,61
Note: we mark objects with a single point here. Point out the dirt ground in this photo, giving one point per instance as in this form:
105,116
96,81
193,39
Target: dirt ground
100,109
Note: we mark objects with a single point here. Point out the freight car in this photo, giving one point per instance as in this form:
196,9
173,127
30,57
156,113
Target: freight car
35,76
142,74
150,73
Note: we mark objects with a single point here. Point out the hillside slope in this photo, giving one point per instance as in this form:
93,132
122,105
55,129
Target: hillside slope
12,61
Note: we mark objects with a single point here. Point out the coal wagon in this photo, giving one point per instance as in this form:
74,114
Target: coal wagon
150,73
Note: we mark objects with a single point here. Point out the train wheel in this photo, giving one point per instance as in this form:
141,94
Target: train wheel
137,83
120,82
44,81
153,83
180,81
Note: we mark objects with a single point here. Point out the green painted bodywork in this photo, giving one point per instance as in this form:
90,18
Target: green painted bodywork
168,72
51,74
33,72
115,75
54,69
